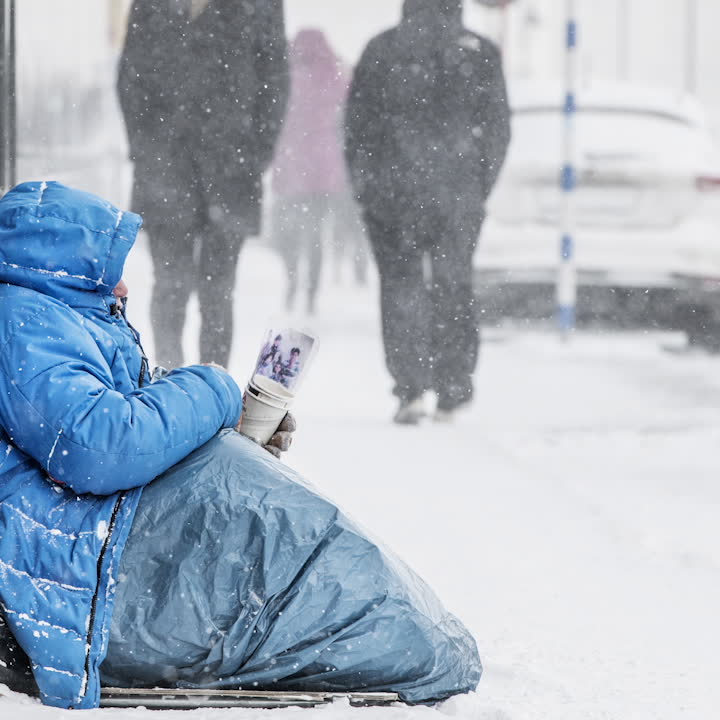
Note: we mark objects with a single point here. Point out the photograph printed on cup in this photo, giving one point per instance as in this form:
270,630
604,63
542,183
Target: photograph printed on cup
284,355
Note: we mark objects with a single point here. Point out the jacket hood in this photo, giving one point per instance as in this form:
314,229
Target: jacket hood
63,242
310,47
433,12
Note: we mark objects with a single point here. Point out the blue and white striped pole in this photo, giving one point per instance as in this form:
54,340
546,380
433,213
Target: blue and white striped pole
566,290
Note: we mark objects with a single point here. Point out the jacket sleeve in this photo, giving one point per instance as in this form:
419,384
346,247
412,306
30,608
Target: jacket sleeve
363,113
495,116
273,76
150,70
60,407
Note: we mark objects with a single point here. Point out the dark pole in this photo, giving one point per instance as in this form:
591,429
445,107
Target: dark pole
8,127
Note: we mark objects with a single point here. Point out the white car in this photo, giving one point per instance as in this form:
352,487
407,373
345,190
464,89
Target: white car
646,208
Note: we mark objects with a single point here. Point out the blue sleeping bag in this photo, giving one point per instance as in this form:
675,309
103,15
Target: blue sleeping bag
238,574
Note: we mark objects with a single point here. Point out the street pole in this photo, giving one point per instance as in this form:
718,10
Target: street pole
8,127
566,290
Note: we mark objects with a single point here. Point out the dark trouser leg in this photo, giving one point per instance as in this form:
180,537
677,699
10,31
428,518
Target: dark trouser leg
221,245
360,256
455,331
300,228
174,280
350,234
316,212
286,220
337,235
406,309
164,193
358,243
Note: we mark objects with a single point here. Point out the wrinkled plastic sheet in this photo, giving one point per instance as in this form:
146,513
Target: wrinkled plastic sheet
238,574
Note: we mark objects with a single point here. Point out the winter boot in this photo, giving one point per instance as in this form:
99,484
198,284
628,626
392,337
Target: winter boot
444,416
410,412
448,407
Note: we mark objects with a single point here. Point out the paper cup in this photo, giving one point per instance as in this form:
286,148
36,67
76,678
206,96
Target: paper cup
265,404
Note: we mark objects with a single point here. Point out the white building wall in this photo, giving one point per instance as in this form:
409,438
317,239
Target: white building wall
69,126
645,42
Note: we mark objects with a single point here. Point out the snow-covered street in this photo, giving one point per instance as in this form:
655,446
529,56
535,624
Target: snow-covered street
569,518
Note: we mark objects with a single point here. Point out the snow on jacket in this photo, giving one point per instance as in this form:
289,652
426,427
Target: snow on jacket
81,428
309,157
427,123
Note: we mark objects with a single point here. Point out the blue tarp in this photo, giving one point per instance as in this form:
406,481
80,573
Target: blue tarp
237,573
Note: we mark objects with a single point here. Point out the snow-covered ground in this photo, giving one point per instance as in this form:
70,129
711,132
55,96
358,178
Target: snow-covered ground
569,518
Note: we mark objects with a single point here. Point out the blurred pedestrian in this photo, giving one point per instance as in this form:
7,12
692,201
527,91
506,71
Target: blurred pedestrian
309,172
349,239
203,88
427,129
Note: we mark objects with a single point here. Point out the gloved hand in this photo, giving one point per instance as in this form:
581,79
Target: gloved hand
282,439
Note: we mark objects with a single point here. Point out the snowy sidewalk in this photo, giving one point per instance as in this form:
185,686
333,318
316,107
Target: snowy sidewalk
569,518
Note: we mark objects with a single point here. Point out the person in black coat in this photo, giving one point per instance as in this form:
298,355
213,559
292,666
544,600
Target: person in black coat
427,127
203,87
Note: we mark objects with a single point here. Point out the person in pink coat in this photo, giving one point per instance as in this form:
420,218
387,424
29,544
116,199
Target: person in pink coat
309,173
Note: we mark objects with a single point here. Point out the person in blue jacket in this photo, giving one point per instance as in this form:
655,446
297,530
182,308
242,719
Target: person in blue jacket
144,542
81,426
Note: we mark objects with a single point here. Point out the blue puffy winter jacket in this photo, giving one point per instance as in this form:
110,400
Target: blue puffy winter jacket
81,428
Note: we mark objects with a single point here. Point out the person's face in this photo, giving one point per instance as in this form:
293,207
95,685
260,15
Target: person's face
120,292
